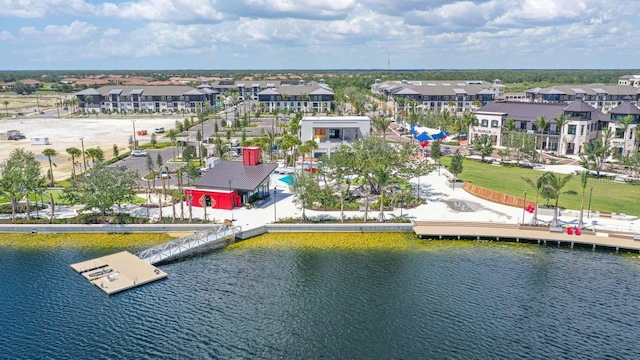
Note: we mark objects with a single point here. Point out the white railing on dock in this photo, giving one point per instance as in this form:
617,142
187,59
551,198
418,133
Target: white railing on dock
184,245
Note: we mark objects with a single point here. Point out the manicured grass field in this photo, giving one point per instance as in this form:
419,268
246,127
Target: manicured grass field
607,195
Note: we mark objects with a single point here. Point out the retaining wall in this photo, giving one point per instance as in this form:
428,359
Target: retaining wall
496,197
103,228
332,227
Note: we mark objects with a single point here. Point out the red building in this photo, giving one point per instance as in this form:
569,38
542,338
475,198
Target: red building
232,183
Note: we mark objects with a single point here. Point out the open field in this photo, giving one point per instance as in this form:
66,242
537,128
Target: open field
607,195
103,132
28,103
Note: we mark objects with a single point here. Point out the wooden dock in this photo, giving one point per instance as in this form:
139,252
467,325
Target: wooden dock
118,272
513,232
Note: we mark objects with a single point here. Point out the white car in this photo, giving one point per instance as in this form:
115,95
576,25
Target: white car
138,153
159,130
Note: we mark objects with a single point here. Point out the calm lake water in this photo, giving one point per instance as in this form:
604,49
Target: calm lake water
466,301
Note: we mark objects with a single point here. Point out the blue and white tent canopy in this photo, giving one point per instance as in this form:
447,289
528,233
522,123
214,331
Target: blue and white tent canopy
421,133
423,137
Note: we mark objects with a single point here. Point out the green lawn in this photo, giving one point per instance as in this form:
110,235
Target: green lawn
607,195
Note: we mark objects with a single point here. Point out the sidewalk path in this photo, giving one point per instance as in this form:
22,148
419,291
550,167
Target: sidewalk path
441,204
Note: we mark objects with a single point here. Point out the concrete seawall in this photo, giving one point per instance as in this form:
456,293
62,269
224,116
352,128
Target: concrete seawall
325,228
102,228
162,228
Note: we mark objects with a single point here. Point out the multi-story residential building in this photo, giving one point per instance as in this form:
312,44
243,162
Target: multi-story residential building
455,96
305,98
27,82
600,96
293,95
332,131
624,123
632,80
584,123
135,98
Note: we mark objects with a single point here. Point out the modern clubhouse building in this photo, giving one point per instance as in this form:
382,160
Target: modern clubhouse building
584,124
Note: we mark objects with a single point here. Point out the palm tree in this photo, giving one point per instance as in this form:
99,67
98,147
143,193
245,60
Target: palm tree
95,154
305,98
541,124
6,107
173,138
75,153
584,178
561,121
444,119
382,125
555,183
624,123
49,152
538,186
465,122
307,148
452,105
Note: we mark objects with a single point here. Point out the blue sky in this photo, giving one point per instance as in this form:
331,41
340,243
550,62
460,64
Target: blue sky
318,34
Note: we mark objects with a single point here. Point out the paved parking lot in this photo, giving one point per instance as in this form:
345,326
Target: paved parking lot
63,133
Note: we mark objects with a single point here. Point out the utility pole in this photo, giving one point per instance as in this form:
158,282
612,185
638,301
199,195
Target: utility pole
84,159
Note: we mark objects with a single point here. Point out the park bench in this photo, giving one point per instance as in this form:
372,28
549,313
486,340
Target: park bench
557,229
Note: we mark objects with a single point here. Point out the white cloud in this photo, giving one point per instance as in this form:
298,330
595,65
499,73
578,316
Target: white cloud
6,36
110,32
77,30
331,33
309,9
170,11
42,8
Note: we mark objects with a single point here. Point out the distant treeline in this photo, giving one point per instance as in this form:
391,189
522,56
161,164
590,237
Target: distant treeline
358,78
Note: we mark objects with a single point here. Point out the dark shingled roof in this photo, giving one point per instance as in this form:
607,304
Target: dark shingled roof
523,111
626,108
243,177
579,106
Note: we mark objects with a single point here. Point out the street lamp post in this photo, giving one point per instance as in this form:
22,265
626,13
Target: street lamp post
135,142
84,159
589,212
275,192
524,206
232,200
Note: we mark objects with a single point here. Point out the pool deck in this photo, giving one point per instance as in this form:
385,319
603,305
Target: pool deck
512,232
118,272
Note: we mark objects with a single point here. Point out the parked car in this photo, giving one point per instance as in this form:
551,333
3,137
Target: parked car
164,174
17,137
167,113
159,130
138,153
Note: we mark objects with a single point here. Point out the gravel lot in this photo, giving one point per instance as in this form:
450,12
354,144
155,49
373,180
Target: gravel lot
64,133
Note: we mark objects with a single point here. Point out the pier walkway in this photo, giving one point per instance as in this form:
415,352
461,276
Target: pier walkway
516,233
198,241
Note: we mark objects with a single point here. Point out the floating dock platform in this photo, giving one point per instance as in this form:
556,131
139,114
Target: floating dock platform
118,272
